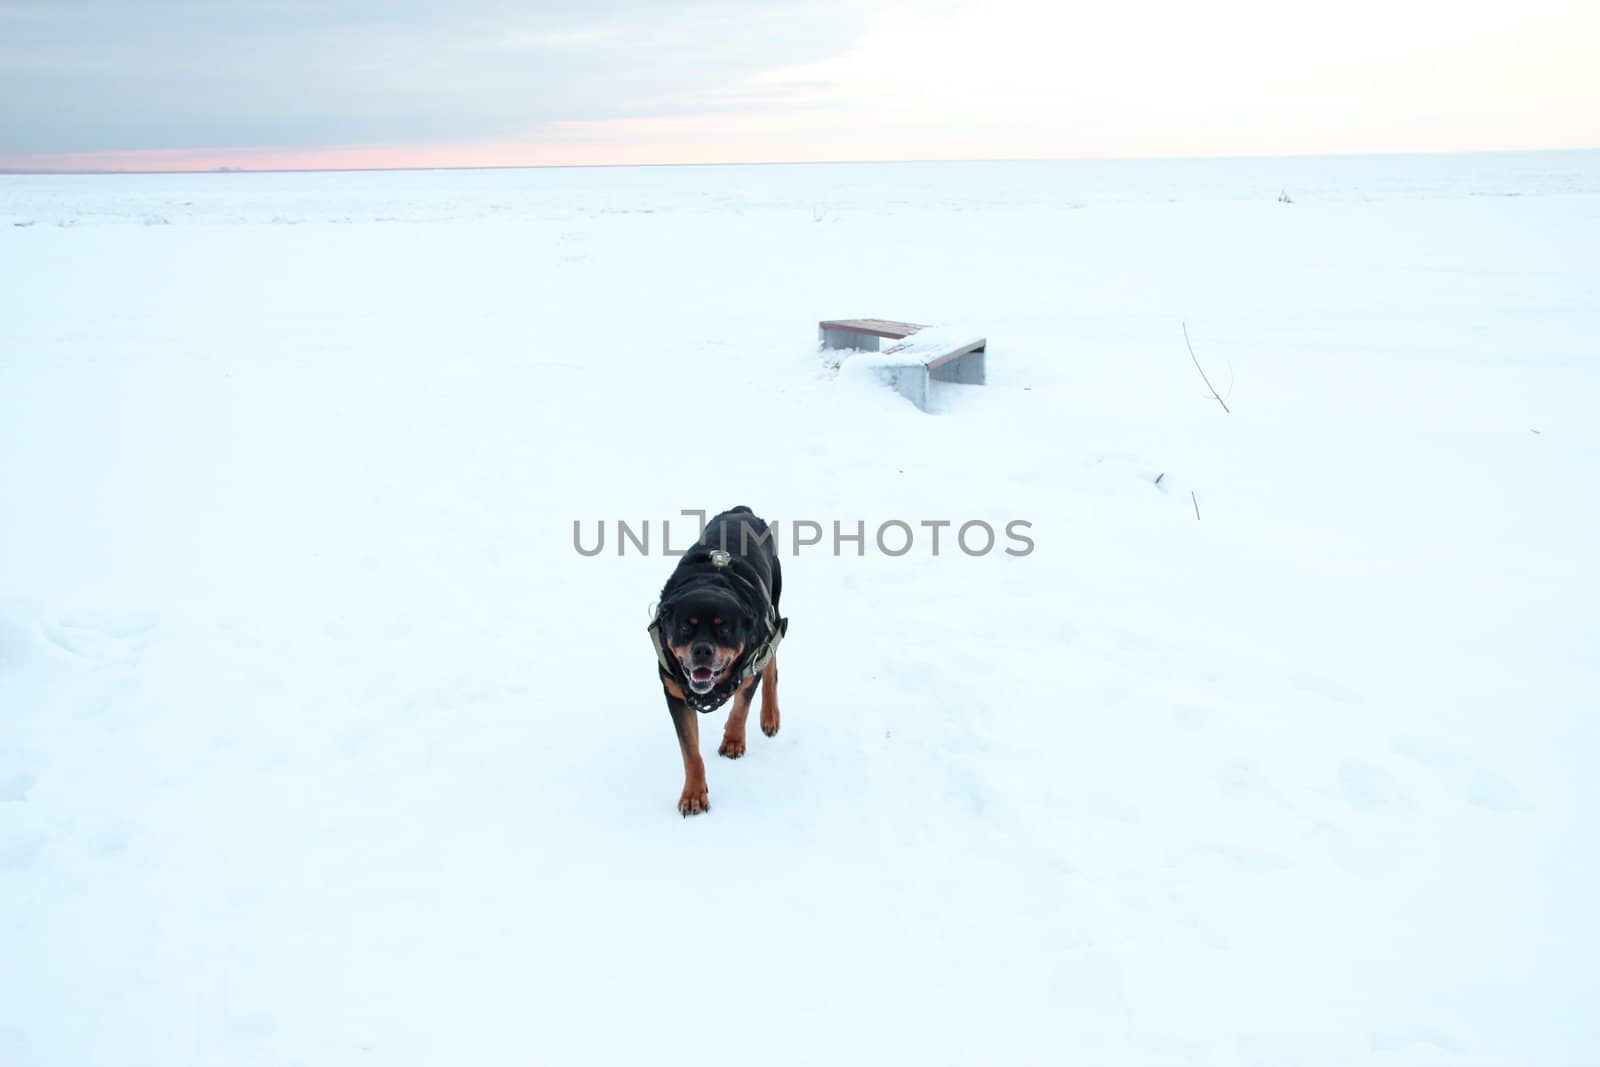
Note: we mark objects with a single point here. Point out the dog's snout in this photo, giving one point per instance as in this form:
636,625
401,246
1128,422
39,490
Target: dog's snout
703,650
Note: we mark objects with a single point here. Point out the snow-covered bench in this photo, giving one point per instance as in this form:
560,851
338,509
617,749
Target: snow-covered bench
920,354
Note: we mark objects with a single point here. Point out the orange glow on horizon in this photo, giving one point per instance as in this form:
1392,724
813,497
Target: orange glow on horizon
822,137
687,151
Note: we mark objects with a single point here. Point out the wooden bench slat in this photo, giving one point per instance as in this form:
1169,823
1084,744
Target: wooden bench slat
932,353
875,327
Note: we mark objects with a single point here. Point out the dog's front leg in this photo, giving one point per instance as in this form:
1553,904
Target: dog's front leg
696,798
733,733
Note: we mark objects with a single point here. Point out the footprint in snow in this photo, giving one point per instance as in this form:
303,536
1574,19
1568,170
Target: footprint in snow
1481,786
14,788
1485,789
14,644
1369,788
99,638
18,855
1242,778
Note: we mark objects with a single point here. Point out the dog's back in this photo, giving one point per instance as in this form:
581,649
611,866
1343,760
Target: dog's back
744,535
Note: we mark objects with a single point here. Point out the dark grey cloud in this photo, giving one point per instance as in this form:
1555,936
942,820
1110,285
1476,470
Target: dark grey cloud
107,75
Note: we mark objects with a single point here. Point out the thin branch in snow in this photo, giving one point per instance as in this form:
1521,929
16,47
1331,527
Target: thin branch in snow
1202,370
1196,505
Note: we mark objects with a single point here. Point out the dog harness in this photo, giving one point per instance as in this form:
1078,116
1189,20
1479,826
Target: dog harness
754,659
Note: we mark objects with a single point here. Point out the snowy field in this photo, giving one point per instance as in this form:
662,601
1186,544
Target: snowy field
320,744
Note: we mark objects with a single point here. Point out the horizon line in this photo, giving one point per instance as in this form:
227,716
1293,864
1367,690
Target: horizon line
118,172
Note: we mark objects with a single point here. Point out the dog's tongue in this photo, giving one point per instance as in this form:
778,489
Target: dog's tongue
701,674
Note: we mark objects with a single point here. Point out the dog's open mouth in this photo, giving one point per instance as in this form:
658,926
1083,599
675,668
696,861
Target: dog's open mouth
702,679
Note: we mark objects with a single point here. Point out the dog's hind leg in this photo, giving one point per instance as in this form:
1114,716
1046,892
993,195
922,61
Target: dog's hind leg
769,697
733,733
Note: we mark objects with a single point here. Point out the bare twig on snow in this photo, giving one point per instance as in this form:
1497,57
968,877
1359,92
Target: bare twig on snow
1202,370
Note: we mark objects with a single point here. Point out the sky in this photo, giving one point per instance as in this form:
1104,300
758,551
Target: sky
264,84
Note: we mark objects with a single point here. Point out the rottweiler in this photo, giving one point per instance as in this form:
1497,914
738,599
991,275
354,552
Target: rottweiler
716,632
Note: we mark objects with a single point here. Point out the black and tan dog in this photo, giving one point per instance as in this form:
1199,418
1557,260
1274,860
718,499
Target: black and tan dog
716,632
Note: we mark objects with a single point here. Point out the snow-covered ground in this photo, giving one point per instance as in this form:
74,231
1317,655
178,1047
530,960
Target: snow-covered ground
320,744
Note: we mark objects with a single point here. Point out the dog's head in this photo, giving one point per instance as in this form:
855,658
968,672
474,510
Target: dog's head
707,628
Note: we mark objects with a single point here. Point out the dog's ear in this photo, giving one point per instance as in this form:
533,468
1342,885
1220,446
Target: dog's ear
670,614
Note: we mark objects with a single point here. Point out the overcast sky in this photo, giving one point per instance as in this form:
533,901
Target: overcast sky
202,83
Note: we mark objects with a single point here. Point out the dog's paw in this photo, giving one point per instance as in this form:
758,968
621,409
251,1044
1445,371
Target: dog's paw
695,800
732,747
769,721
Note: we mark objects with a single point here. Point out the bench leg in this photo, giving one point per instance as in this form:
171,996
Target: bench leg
849,339
911,383
965,370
